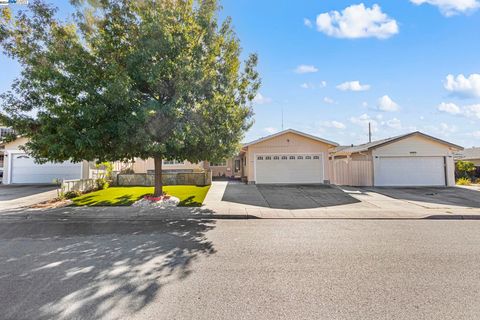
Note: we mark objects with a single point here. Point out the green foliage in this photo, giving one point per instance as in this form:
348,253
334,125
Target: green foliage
102,183
465,168
72,194
108,167
464,182
125,79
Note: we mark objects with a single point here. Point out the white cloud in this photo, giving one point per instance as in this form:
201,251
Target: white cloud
364,104
385,103
442,129
394,124
333,124
470,111
260,99
353,86
463,86
307,22
451,108
451,7
363,122
328,100
270,130
308,85
357,21
476,134
303,68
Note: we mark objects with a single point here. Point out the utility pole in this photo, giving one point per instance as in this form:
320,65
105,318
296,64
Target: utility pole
369,132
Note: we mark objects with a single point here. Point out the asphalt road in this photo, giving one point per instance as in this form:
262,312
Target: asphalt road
249,269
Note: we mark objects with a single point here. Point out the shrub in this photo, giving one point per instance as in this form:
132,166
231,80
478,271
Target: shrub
464,182
72,194
102,183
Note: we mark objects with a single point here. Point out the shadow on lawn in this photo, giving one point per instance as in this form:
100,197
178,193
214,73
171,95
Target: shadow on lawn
189,202
94,270
124,200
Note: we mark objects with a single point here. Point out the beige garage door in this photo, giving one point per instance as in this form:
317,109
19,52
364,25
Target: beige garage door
289,168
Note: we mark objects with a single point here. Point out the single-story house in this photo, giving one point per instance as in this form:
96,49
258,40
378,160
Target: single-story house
413,159
288,156
19,167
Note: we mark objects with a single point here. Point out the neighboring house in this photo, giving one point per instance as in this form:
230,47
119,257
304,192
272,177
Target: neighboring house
20,168
288,156
413,159
471,155
4,131
148,166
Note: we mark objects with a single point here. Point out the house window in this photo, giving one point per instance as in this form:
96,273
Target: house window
268,158
259,158
276,158
308,158
172,162
300,157
222,163
292,157
284,158
316,157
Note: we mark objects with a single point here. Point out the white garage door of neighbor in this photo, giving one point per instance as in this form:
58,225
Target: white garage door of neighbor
25,170
289,168
410,171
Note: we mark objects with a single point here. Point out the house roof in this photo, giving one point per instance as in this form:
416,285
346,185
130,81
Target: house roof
375,144
468,154
291,131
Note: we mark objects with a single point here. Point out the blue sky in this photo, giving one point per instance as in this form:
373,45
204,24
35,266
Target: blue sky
333,66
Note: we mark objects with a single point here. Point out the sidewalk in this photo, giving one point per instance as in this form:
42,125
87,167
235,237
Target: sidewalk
371,205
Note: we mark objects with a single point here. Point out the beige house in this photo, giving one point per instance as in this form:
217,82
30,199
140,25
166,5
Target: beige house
413,159
470,154
19,167
286,157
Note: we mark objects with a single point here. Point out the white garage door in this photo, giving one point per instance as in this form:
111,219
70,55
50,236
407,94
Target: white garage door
25,170
410,171
289,168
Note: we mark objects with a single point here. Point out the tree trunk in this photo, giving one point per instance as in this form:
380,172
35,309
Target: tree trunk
158,177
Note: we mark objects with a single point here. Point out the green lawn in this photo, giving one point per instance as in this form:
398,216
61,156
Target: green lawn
190,196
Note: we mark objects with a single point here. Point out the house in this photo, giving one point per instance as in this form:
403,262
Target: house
289,156
413,159
19,167
471,155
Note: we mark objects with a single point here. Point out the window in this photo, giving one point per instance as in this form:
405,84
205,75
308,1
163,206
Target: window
292,157
5,131
316,157
276,158
222,163
259,158
308,158
284,158
172,162
268,158
300,157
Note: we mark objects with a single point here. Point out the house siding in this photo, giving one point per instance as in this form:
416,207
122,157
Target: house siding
287,143
422,147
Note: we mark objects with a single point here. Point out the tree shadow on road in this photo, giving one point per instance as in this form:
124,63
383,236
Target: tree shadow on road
83,270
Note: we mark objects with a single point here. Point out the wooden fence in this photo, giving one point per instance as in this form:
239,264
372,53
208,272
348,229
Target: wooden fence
349,172
81,185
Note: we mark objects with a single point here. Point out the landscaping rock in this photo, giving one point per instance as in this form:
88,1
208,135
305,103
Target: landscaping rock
163,203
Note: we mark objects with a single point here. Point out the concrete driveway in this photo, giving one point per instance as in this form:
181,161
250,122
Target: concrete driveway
434,197
18,196
287,196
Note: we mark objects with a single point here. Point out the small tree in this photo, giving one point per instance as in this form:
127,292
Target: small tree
127,79
465,168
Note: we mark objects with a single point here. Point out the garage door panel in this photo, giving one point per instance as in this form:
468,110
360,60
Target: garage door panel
25,170
410,171
304,168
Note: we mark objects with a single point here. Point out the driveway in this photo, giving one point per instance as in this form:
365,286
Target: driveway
17,196
430,197
287,196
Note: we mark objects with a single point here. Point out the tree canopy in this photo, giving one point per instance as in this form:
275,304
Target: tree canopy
125,79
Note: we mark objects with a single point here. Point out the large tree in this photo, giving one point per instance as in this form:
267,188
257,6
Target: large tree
124,79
